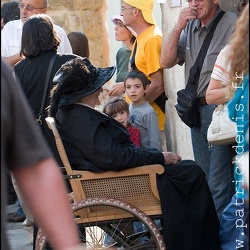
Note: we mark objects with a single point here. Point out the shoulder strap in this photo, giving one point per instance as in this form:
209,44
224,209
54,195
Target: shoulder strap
39,121
194,73
132,59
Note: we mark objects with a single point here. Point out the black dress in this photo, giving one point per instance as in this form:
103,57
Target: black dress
96,142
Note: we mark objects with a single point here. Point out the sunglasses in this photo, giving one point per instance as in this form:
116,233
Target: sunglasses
28,7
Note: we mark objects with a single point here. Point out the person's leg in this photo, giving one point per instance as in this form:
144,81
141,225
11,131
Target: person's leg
18,216
28,219
234,231
12,197
19,210
201,147
214,161
189,217
23,203
163,140
220,181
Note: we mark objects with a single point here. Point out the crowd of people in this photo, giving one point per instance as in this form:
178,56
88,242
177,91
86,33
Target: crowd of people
198,198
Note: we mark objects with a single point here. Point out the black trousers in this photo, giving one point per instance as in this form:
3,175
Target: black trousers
190,221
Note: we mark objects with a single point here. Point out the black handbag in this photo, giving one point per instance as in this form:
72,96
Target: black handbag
187,105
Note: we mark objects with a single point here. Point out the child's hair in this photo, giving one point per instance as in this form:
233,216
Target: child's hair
115,105
136,74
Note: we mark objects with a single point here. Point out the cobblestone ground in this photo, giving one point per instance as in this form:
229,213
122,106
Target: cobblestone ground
19,238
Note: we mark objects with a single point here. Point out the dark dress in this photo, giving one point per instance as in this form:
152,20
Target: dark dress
96,142
32,73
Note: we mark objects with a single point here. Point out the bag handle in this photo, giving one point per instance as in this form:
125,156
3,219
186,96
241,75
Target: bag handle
132,59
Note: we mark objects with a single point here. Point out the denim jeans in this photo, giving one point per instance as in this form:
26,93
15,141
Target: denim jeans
214,160
234,232
19,210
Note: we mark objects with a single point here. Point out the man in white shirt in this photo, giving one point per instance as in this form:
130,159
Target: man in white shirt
12,31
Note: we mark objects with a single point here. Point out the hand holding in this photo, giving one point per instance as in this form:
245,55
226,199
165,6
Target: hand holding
171,158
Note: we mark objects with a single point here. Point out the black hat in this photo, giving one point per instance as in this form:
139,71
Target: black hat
75,79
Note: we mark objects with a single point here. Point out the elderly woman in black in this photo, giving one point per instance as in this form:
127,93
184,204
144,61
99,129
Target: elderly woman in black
97,142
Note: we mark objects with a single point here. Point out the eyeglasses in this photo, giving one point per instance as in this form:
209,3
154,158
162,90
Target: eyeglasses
119,24
123,8
28,7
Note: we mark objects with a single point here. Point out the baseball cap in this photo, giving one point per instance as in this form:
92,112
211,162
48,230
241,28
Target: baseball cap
118,17
146,6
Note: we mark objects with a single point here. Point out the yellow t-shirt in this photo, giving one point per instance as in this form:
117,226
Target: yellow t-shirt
147,60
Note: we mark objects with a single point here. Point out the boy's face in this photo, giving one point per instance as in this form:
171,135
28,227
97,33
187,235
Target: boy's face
135,91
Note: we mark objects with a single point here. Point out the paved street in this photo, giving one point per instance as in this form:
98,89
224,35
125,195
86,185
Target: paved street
19,238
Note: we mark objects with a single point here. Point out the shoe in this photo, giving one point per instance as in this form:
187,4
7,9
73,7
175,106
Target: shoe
14,217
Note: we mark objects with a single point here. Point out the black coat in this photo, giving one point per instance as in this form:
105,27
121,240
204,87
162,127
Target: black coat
32,73
96,142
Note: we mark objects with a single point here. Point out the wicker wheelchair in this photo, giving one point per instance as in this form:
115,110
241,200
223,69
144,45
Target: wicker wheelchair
107,206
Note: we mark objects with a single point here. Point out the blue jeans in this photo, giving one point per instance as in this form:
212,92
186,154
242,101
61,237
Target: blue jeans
234,231
214,160
19,210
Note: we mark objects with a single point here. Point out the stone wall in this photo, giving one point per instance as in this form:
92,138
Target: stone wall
88,17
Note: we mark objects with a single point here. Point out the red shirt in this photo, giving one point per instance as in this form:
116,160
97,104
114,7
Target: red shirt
135,136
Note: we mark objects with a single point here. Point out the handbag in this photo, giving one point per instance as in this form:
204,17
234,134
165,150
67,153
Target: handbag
187,105
46,84
187,108
222,130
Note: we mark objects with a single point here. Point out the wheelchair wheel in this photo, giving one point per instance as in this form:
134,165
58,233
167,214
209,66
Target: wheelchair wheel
109,223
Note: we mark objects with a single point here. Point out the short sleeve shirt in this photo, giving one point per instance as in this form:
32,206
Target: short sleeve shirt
122,62
11,36
191,40
222,67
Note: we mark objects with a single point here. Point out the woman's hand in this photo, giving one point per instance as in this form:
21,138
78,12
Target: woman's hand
171,158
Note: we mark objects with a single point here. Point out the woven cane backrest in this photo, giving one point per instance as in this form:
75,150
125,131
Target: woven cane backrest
135,189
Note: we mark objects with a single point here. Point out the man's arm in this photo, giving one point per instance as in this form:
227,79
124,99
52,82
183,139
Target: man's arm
44,189
169,51
156,86
12,60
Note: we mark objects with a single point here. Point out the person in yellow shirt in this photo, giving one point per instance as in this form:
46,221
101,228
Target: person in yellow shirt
145,56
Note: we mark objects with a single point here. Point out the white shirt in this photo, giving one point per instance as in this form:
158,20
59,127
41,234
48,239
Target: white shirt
11,36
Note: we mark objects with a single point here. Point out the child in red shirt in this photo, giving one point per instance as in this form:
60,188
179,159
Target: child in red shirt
118,108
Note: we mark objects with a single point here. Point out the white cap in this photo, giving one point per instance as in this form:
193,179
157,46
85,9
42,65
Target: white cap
118,17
